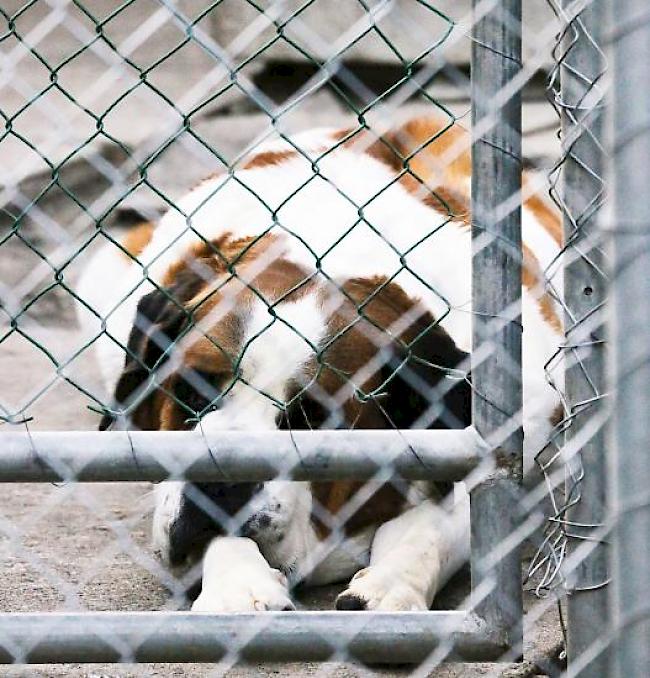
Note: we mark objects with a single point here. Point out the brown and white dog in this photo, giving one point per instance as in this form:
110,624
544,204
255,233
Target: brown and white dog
318,285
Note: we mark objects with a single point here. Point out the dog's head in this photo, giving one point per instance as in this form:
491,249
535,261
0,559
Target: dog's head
240,337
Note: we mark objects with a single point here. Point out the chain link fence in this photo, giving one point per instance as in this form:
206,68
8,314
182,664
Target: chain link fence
241,239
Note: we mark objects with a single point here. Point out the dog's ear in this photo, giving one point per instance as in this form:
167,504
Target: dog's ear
426,384
159,319
422,378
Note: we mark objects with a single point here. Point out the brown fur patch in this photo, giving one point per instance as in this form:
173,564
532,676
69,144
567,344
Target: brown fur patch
283,281
150,415
451,204
367,310
215,349
547,217
425,141
137,239
279,280
557,415
262,159
419,146
207,259
384,150
341,134
266,158
444,188
416,149
334,496
208,177
532,277
386,503
170,416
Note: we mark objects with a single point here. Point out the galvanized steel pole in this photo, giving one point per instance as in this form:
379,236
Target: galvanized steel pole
581,107
496,292
630,153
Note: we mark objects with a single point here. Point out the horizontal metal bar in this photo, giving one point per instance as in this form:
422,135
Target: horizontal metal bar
125,637
237,455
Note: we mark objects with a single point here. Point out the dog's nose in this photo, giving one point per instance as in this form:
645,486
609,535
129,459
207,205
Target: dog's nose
255,524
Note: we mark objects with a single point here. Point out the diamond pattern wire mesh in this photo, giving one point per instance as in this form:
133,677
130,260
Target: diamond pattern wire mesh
582,117
112,112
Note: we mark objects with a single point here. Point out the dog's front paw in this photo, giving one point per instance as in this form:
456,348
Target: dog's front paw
236,578
267,593
375,589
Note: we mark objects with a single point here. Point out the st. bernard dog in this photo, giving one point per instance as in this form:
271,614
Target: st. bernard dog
319,283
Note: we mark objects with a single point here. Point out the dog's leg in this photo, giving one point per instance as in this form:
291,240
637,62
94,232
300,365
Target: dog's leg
167,496
411,559
236,578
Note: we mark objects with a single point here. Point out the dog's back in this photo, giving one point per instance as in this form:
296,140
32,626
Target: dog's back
345,203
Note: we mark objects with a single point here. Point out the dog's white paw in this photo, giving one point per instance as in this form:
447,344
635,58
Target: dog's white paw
374,588
268,593
236,578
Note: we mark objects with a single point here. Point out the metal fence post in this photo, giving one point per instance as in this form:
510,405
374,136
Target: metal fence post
496,291
585,288
630,153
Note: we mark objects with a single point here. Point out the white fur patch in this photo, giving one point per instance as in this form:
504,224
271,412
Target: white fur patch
412,557
276,347
167,496
236,578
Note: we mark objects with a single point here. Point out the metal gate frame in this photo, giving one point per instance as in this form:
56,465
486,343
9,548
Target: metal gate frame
493,627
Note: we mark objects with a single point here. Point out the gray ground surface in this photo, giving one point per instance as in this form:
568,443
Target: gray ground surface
82,546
